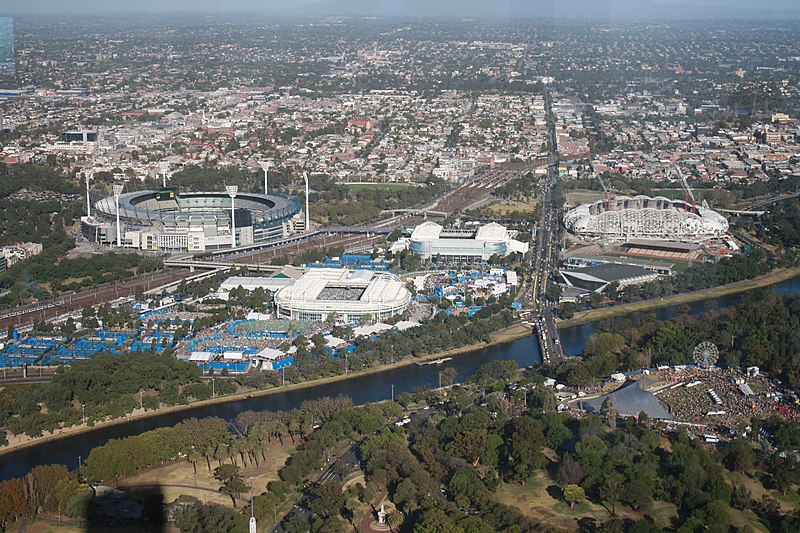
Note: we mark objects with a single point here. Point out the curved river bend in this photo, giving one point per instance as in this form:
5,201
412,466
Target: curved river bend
361,389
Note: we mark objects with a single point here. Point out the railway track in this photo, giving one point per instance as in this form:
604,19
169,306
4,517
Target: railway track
54,307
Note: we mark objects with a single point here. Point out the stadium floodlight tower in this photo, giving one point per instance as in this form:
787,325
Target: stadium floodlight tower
88,175
117,191
308,216
164,167
265,166
232,191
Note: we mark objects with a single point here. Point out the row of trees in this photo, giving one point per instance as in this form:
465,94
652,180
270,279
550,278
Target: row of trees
45,489
110,385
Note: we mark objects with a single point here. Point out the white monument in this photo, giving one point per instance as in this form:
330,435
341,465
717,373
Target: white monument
382,516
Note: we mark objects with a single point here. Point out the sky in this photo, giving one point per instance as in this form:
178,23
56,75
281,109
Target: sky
604,9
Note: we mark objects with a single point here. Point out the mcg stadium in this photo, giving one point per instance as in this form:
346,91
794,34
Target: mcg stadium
170,221
643,217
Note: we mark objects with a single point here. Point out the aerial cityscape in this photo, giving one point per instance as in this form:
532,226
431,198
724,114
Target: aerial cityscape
426,267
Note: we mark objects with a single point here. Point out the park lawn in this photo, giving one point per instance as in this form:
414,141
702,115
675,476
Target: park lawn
182,473
540,499
54,527
500,209
789,502
583,196
742,519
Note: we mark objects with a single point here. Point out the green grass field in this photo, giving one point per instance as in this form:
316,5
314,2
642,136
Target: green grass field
583,196
540,499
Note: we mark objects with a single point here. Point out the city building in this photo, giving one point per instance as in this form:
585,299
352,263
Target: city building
432,241
343,296
625,218
165,220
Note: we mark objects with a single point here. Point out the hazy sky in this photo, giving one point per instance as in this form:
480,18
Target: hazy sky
612,9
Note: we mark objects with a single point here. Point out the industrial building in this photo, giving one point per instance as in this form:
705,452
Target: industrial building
626,218
433,241
169,221
343,296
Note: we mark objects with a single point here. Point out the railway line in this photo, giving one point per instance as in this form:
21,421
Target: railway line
54,307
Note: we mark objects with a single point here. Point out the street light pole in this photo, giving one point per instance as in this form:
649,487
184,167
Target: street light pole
252,511
117,188
164,167
265,166
308,215
88,176
232,190
83,406
213,388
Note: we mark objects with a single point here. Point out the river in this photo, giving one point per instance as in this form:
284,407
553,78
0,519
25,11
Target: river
361,389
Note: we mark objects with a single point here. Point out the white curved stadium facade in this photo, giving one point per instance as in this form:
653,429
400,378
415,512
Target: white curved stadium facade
627,217
345,296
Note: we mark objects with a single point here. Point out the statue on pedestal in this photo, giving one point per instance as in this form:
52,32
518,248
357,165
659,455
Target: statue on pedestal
382,516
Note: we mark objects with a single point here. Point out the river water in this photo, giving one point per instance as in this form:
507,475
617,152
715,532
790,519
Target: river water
361,389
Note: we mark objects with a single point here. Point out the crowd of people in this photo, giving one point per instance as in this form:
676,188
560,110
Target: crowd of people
689,399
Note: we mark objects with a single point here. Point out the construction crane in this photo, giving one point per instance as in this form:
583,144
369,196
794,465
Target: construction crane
688,194
606,191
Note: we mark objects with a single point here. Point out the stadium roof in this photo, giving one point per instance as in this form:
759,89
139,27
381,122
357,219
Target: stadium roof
252,283
492,232
427,231
610,272
630,400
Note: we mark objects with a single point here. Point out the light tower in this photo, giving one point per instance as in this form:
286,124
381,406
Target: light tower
117,191
232,190
308,216
164,167
88,176
265,166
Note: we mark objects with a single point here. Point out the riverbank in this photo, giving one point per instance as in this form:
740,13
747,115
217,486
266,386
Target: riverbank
19,442
767,280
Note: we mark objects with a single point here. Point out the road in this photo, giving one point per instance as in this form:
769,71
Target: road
347,462
544,259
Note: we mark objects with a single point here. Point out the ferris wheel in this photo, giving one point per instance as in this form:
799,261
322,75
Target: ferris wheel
706,354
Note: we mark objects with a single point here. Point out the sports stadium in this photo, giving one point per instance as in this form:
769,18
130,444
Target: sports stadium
166,220
343,296
659,218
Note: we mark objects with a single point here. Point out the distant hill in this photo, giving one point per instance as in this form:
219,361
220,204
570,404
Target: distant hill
578,9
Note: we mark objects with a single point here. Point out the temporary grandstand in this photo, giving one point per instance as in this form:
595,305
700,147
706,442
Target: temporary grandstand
630,400
344,295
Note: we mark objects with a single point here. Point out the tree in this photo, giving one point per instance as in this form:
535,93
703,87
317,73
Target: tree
569,471
609,410
573,494
739,456
448,375
524,443
232,483
611,490
327,499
